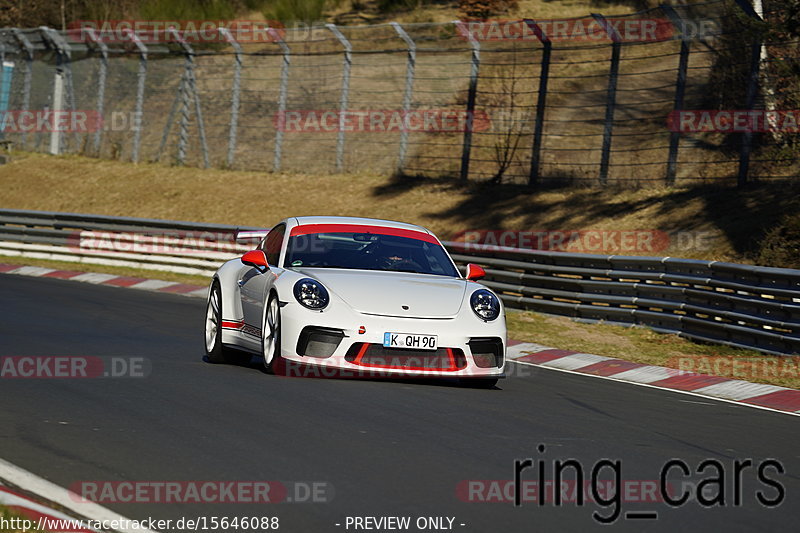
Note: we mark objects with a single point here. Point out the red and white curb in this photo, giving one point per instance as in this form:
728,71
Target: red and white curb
108,279
44,517
40,516
770,397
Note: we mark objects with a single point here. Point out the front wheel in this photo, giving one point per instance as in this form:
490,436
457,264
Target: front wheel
215,351
271,334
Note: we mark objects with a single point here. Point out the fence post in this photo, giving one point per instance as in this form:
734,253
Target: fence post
541,100
282,95
190,86
750,102
101,87
408,93
140,79
2,86
611,100
471,95
680,90
750,97
235,91
63,54
348,62
26,83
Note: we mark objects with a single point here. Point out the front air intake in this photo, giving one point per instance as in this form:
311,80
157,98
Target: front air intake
487,352
318,342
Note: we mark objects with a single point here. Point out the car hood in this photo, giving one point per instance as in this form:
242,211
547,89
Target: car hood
385,293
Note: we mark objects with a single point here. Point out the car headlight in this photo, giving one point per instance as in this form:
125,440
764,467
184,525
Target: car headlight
485,304
311,293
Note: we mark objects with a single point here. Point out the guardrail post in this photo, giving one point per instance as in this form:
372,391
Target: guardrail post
541,101
611,100
750,97
140,80
471,95
101,87
408,92
235,91
26,83
190,86
348,62
282,96
680,90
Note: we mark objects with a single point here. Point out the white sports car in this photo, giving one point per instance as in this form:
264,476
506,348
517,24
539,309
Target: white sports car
362,296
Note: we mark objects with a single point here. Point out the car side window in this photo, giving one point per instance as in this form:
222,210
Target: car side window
272,244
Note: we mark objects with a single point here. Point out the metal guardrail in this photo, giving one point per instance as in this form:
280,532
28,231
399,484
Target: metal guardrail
738,305
166,245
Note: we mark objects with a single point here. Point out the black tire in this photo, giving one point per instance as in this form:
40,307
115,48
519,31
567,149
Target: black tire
272,320
217,352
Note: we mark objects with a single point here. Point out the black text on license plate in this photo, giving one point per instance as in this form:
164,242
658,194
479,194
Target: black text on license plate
410,340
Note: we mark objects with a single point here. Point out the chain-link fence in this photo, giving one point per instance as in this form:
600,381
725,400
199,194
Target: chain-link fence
589,100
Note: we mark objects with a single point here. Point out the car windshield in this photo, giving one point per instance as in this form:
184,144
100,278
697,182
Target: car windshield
368,251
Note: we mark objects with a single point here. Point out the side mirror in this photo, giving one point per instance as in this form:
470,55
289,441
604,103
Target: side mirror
256,258
475,272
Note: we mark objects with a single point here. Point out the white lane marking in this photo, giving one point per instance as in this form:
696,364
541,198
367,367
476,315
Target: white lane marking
199,293
656,387
152,285
30,482
575,361
648,374
32,271
737,389
93,277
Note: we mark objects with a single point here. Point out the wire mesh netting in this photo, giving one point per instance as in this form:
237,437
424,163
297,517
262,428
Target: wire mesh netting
584,101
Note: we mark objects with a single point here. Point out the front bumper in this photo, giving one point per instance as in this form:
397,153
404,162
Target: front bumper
358,340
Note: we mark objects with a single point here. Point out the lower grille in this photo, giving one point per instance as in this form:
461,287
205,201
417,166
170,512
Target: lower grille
377,356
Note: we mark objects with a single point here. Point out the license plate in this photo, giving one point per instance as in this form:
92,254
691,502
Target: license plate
410,340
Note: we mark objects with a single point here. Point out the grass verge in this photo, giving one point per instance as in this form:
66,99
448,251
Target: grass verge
8,517
703,222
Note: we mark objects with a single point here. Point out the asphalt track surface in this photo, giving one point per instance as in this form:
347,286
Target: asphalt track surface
383,448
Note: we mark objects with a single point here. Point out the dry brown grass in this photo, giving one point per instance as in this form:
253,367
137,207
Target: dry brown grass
85,185
366,11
